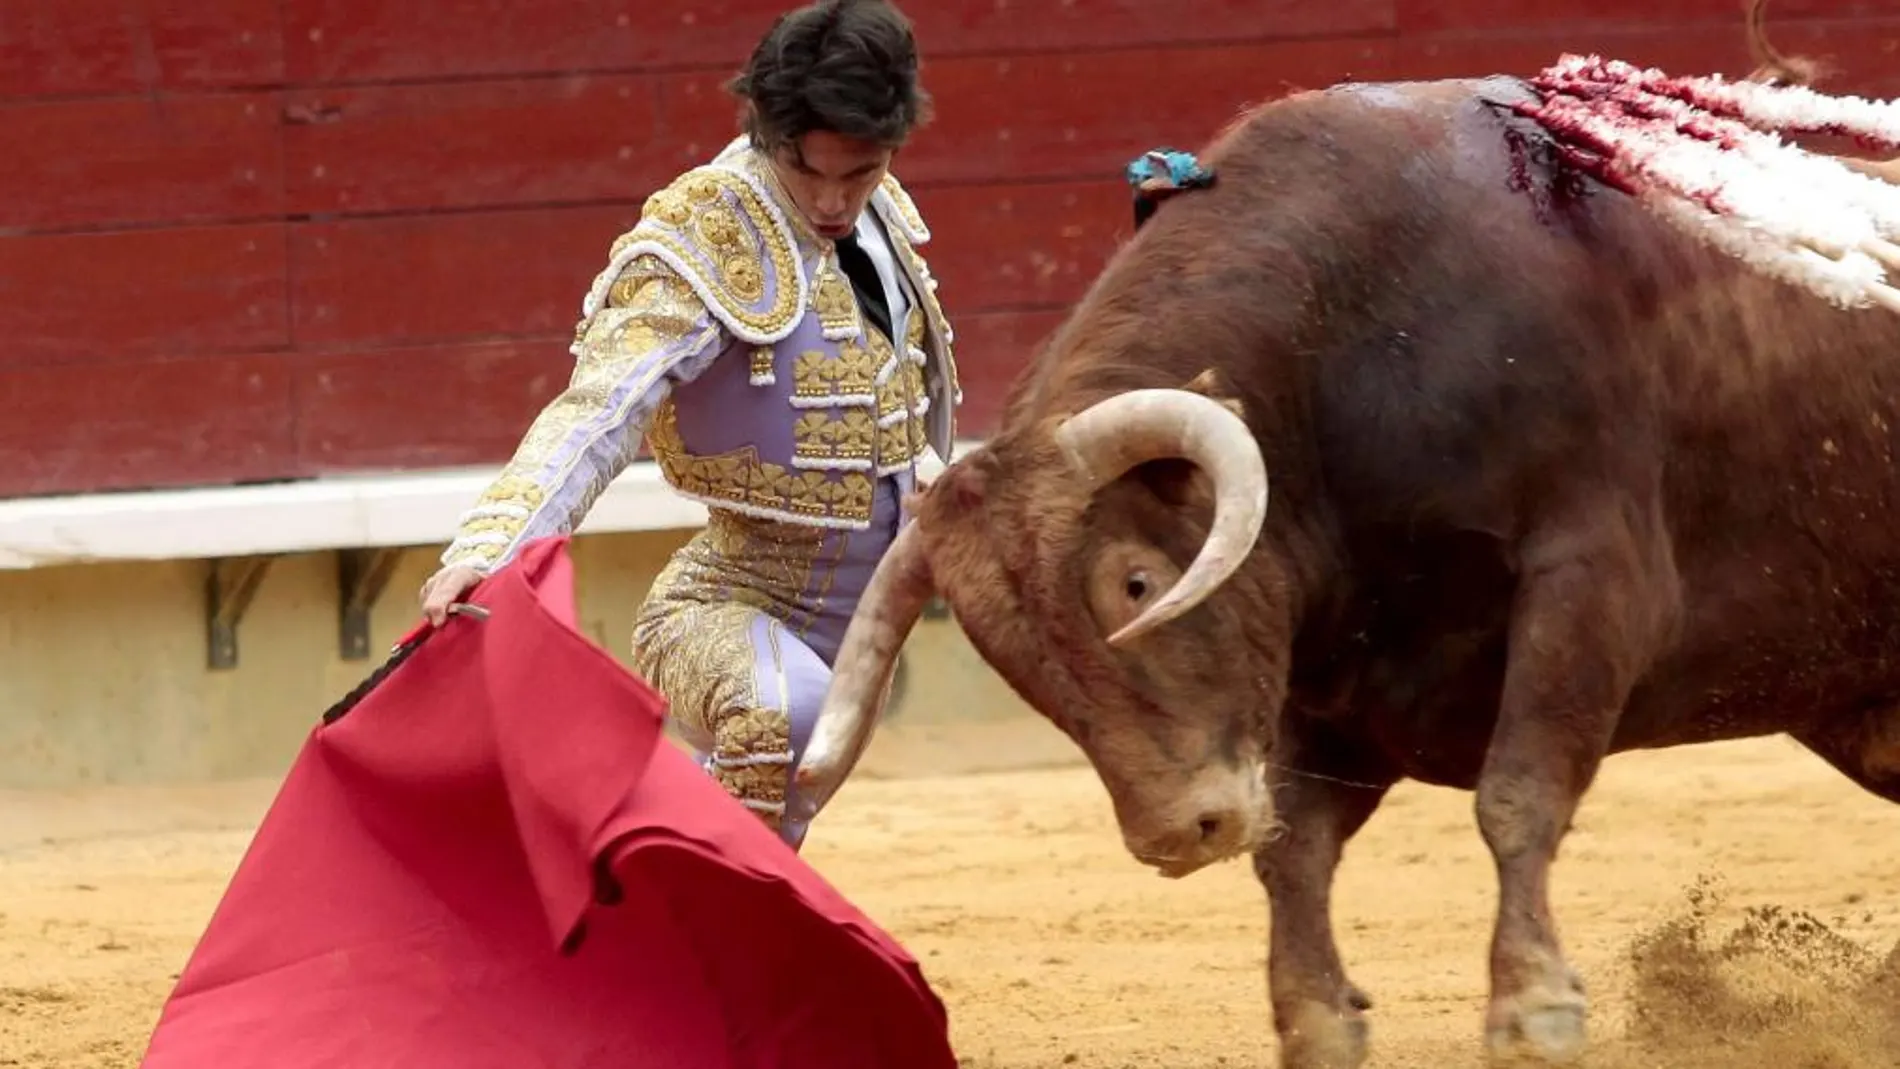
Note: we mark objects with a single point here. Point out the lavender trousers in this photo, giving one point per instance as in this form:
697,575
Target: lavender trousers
739,633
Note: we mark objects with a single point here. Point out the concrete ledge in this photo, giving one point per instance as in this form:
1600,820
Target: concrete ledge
345,512
197,633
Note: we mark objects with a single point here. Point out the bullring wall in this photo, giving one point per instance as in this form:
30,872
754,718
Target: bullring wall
258,240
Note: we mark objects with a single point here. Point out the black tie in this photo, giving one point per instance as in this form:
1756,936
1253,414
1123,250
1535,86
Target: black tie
863,275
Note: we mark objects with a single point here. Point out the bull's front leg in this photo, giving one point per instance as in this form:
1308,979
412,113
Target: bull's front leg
1587,610
1318,1013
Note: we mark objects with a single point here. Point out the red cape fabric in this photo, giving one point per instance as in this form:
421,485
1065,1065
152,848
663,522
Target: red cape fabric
495,860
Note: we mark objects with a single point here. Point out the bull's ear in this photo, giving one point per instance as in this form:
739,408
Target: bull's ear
1177,484
962,485
1211,383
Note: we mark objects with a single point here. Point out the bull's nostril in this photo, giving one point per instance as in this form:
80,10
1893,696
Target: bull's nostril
1210,827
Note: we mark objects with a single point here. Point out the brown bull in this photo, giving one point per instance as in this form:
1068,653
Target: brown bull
1549,482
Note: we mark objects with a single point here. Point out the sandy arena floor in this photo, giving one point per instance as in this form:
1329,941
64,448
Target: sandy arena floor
1052,948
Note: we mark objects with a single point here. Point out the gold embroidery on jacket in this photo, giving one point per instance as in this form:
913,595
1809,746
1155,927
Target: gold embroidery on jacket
763,370
836,307
851,398
739,479
701,656
733,245
821,378
649,308
903,210
823,440
859,409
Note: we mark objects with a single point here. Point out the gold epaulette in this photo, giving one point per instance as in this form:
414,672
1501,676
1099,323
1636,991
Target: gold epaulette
895,205
729,241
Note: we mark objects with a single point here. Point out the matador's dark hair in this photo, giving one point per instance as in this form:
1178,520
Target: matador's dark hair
846,66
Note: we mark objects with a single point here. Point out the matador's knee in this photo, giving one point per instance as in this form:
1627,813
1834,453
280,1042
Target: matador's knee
752,759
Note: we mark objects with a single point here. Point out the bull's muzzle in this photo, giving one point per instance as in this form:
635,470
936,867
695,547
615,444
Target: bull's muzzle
1223,814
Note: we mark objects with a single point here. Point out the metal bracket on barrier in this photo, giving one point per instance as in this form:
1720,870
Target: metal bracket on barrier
361,575
230,583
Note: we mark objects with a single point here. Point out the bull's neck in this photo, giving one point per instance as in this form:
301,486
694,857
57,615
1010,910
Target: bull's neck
1162,314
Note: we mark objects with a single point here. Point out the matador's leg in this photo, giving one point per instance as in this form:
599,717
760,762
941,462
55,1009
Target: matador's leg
744,690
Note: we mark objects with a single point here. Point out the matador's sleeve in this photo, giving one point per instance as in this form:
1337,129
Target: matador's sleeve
651,334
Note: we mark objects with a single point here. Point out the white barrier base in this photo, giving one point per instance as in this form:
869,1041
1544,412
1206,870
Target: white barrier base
341,512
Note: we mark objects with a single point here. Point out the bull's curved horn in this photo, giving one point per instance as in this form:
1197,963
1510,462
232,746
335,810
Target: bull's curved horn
861,677
1111,436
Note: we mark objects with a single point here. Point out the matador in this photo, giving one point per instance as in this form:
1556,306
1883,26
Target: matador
771,329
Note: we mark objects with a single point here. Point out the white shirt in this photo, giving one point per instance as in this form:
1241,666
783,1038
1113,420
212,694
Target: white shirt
877,245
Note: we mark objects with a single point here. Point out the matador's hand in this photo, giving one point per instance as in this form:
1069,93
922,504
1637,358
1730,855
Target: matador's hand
445,588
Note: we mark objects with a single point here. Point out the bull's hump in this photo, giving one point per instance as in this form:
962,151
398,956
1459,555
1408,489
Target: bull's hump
1434,96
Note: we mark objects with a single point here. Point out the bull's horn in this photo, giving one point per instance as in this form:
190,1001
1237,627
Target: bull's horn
861,677
1110,437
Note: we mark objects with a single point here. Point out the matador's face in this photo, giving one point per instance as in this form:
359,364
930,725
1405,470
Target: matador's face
830,178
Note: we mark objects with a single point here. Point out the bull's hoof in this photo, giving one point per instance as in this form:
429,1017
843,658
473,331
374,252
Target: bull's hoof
1549,1033
1315,1035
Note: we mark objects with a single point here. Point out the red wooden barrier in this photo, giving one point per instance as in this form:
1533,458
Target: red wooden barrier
255,239
205,419
420,148
121,297
182,158
93,47
405,279
422,406
388,40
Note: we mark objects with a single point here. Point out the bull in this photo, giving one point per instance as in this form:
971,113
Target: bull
1550,481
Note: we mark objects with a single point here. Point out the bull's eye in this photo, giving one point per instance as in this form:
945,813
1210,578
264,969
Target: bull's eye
1136,586
1125,578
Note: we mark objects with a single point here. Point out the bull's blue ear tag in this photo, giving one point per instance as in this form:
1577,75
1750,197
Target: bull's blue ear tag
1162,173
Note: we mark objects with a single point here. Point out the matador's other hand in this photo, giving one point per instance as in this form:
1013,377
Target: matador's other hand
445,588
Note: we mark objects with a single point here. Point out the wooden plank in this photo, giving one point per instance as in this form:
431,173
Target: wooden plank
1857,51
1781,12
1005,117
1016,246
145,424
363,40
1700,51
698,118
126,160
330,41
1078,115
92,298
95,47
1483,17
412,280
1497,16
478,144
492,275
1858,55
975,27
993,349
695,33
358,410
